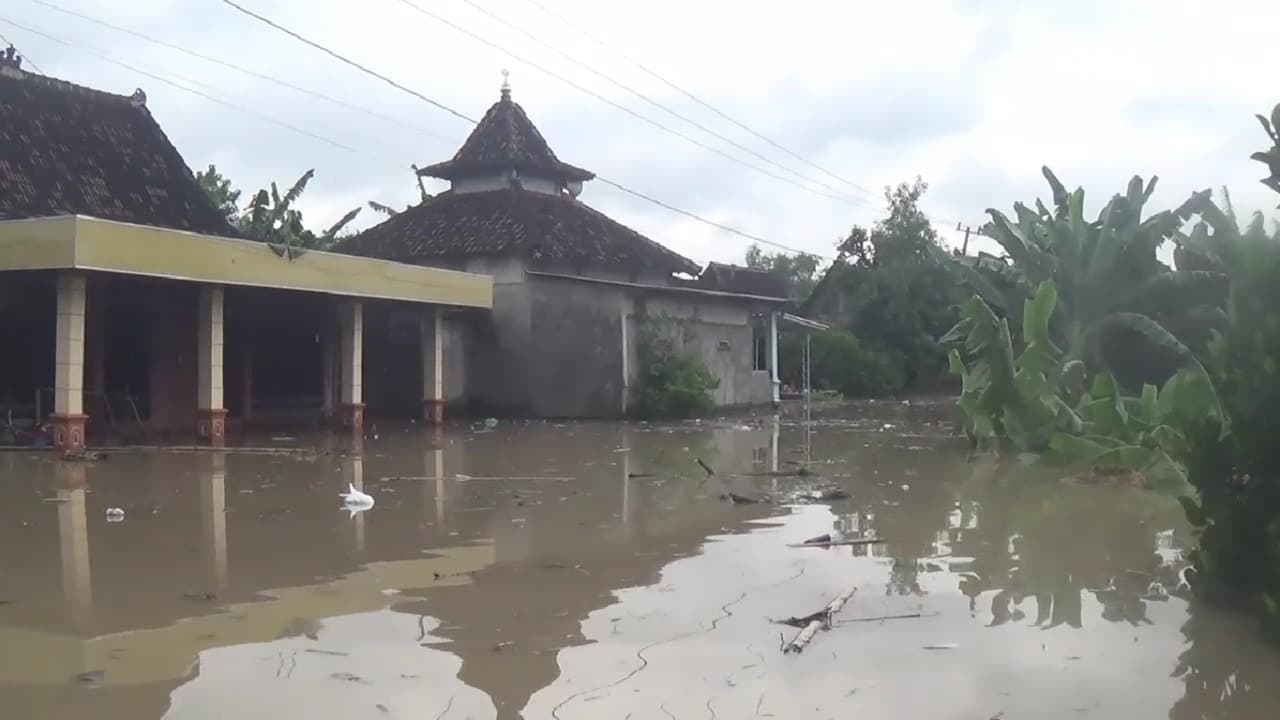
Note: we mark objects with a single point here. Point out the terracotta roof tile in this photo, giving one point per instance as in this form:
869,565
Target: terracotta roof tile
505,138
532,225
67,149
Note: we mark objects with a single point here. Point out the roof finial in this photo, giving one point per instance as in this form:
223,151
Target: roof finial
506,86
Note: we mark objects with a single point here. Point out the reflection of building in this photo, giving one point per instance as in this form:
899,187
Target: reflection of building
149,641
138,306
559,561
576,293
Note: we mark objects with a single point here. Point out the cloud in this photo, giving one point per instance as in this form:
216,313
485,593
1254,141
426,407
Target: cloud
973,96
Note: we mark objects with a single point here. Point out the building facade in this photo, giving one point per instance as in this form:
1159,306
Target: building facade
576,293
131,308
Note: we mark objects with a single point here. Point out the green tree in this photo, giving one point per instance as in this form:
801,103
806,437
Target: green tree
220,192
799,272
902,297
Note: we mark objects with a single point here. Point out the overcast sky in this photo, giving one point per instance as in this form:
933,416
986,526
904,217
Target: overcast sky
972,95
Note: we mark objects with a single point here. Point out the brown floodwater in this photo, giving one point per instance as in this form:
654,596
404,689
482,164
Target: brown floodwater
595,570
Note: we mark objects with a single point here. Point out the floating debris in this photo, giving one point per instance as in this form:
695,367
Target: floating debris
115,514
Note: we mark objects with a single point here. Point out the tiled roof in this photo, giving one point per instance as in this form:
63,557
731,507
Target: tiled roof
504,139
67,149
741,280
536,226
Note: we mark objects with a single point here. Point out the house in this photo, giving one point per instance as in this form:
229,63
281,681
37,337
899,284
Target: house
575,292
127,300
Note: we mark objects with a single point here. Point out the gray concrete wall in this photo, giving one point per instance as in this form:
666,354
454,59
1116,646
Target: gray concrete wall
554,347
574,358
718,331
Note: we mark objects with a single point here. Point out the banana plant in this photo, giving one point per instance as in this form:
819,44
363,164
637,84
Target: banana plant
1113,291
1271,156
1018,396
1144,433
272,219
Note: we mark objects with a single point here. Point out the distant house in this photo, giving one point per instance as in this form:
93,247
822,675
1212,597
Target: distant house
574,290
830,300
128,301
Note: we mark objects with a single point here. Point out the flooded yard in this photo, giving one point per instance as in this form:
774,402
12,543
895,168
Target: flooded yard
596,570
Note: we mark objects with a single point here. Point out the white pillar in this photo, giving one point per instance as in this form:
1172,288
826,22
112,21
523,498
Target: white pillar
773,357
351,388
431,343
68,378
212,412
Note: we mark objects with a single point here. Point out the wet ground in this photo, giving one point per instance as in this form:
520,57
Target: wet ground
596,571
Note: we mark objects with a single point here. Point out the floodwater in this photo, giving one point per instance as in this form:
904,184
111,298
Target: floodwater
594,571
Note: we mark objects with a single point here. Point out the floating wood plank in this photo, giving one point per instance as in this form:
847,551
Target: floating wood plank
838,543
821,619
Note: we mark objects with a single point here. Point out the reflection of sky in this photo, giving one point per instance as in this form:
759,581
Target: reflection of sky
356,666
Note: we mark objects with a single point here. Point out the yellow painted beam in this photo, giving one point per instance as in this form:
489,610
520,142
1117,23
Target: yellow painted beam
43,244
86,243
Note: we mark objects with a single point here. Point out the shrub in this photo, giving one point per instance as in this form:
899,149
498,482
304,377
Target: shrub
839,361
673,384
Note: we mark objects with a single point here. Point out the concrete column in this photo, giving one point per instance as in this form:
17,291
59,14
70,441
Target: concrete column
211,420
773,358
68,381
351,390
431,340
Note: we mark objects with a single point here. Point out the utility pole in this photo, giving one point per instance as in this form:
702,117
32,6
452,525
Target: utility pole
964,248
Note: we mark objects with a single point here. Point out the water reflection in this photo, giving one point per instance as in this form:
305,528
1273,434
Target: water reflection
609,579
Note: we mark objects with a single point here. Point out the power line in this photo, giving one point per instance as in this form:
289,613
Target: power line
612,103
350,62
695,98
456,113
699,218
104,56
679,116
240,69
23,56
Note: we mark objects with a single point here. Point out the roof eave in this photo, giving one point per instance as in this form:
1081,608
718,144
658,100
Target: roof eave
457,170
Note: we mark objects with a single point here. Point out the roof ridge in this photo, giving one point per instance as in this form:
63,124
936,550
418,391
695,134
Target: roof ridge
54,83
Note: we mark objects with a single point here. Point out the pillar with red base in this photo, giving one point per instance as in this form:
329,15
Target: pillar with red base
68,417
211,419
211,426
431,342
351,349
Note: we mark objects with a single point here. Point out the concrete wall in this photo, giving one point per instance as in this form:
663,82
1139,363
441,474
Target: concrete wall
500,182
718,331
554,347
575,362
